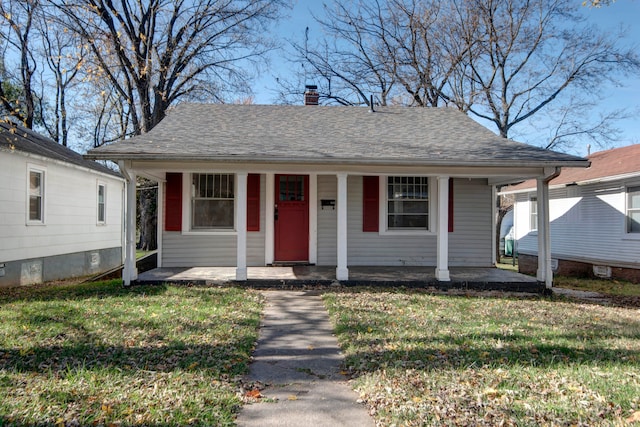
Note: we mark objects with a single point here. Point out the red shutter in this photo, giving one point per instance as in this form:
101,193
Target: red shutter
253,202
370,203
450,205
173,202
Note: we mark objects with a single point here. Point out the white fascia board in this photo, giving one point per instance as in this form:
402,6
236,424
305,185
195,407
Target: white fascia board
612,178
62,163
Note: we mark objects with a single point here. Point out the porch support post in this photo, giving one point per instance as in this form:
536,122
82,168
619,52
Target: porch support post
313,218
129,272
269,212
162,187
442,240
342,272
544,273
241,226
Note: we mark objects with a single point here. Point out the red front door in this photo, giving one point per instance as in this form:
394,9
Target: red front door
292,218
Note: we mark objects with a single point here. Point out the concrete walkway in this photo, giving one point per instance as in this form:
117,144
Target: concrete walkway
298,359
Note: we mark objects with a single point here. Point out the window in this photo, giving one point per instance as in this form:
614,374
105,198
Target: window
36,196
533,213
102,194
407,203
212,201
633,209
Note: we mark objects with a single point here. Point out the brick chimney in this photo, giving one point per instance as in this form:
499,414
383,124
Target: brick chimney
311,96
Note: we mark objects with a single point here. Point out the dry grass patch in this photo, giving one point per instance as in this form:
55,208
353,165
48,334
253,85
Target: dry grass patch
99,354
421,359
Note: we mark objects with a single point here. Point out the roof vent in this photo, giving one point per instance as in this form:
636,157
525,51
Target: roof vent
311,95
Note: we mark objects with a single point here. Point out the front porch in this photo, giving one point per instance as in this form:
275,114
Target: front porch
417,277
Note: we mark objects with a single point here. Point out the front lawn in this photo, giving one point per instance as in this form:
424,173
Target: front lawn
99,354
420,359
602,286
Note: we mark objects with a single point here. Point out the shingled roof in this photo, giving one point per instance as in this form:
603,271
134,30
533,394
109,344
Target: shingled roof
328,134
610,164
17,138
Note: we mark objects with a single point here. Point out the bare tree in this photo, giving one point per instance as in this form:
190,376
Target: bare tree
403,51
348,66
536,55
16,23
157,52
509,62
64,57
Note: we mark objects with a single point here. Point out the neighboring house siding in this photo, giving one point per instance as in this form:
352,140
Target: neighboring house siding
587,224
327,225
69,228
213,250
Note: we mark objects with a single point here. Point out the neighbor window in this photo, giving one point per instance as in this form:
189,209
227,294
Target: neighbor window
36,196
212,201
407,202
102,191
633,209
533,213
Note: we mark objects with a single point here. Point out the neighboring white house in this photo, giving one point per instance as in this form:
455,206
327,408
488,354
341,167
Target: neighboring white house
594,214
61,216
256,185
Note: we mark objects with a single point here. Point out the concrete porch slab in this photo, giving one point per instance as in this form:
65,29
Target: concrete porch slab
299,276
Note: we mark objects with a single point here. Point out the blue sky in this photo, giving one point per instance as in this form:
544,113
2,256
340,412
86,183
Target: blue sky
621,12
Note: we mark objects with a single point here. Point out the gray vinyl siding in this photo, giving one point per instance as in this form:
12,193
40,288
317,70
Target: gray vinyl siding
470,243
371,248
184,250
327,221
587,224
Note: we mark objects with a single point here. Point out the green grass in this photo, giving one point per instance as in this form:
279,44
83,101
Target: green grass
607,287
506,263
420,359
100,354
141,253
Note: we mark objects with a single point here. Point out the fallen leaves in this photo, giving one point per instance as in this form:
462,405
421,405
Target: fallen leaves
634,418
98,354
420,360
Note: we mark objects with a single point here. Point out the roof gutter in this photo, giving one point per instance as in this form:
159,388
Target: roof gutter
333,160
548,176
123,168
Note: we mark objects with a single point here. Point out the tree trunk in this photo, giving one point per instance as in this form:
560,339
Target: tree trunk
147,215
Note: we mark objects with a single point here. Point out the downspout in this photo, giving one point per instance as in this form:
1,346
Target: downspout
544,236
129,272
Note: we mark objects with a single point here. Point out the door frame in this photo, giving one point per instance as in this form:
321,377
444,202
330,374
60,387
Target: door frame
269,235
277,205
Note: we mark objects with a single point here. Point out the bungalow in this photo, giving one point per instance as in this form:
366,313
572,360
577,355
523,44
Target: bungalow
594,214
60,215
260,185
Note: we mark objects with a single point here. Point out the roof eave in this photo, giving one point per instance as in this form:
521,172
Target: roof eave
338,160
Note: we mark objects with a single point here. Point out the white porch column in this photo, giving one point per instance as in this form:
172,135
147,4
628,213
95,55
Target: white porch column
269,212
313,218
130,272
162,187
442,229
342,272
241,226
544,273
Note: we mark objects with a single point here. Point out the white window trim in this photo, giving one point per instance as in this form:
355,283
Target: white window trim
42,170
186,208
383,206
626,234
98,185
530,202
